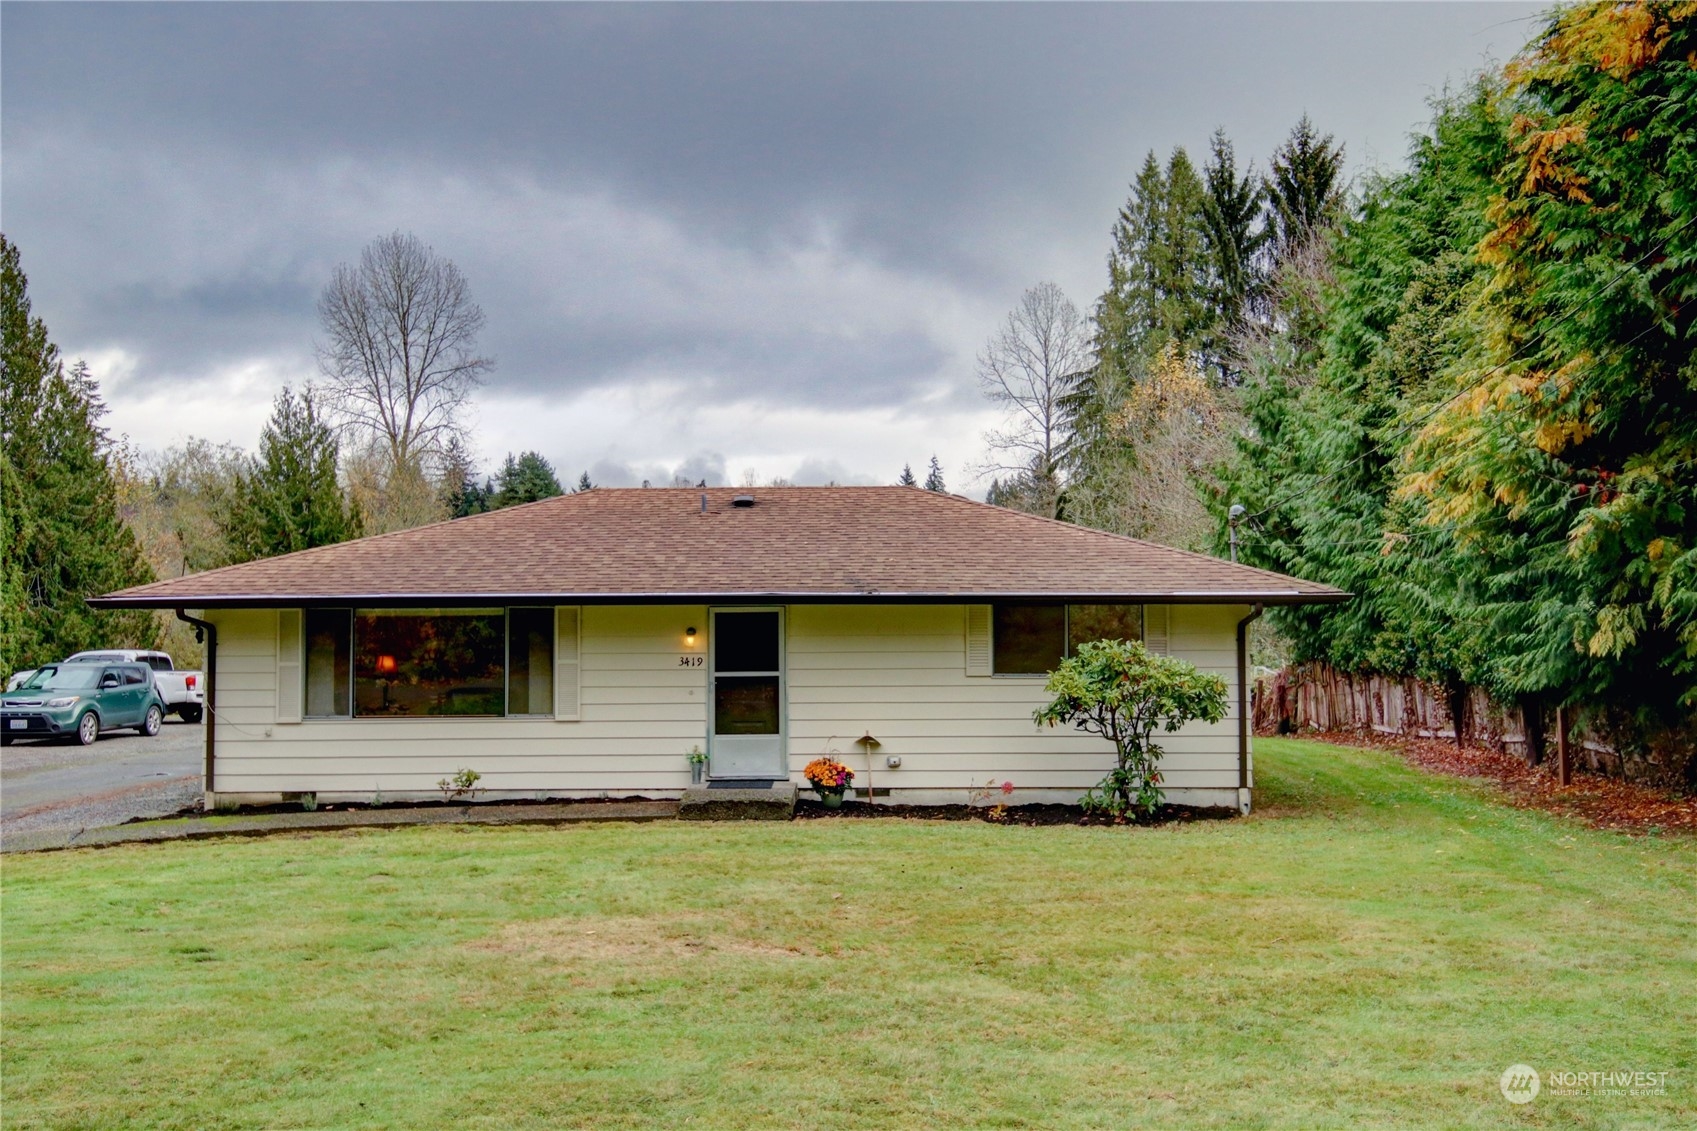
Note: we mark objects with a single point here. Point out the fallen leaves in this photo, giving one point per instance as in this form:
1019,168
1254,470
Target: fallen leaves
1601,802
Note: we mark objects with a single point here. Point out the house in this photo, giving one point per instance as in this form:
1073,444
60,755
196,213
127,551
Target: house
584,645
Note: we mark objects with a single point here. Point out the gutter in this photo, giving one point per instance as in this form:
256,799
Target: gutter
207,631
1243,716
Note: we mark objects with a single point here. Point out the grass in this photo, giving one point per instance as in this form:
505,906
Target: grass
1372,948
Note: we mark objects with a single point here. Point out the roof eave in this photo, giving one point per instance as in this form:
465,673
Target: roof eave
429,600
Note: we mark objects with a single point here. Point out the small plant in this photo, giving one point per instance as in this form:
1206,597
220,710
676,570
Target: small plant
1117,689
827,775
309,801
977,795
696,757
462,784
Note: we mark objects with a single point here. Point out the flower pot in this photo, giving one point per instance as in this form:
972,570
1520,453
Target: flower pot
830,798
697,772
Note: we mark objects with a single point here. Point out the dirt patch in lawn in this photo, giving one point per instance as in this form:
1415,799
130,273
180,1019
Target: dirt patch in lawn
628,939
1011,814
1604,803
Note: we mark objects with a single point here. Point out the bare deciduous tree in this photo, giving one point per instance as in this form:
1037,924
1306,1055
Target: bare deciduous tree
400,350
1028,366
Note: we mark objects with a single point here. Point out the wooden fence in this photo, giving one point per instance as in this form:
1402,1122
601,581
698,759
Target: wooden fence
1317,697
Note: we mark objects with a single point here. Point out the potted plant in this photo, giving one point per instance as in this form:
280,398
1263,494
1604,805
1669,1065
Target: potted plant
697,765
829,778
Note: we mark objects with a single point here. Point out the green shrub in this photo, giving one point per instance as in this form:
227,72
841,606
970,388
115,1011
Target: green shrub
1117,689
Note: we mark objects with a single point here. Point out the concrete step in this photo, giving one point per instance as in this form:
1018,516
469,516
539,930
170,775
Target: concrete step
701,803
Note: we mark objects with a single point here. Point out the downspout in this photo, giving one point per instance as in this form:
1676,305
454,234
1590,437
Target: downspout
207,631
1243,716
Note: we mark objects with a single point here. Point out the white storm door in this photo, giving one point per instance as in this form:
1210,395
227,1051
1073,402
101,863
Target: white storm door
747,694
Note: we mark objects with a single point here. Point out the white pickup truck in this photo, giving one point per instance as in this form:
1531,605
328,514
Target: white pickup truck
184,693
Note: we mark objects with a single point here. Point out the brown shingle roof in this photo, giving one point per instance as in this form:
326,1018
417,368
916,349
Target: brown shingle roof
795,543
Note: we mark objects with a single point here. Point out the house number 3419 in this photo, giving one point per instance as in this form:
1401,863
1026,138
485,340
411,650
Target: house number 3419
691,661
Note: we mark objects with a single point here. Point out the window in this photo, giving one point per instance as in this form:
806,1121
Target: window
530,661
329,663
158,661
429,662
133,676
1029,639
399,663
1102,622
1033,639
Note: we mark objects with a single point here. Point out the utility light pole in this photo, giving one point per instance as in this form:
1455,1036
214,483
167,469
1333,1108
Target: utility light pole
1233,517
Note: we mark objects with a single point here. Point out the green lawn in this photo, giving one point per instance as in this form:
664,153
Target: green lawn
1372,948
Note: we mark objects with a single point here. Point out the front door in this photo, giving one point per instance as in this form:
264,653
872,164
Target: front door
748,694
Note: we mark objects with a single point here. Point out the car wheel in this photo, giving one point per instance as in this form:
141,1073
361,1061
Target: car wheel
150,725
88,728
190,714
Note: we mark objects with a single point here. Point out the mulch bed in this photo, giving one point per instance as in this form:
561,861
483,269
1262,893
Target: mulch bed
808,810
1601,802
199,809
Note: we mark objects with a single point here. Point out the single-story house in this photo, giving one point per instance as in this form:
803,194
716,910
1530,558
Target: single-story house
586,645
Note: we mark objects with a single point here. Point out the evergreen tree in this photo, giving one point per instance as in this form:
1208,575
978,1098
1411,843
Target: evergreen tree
1563,445
1233,236
461,492
289,498
907,479
1322,460
525,480
583,484
1303,189
61,536
934,477
16,628
1157,270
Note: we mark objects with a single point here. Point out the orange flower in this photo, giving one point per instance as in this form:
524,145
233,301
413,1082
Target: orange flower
828,773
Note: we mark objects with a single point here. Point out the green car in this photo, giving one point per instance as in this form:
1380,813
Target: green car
81,700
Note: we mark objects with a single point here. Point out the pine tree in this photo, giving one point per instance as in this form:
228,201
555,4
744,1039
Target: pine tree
934,477
289,497
907,479
525,480
583,484
1303,189
61,537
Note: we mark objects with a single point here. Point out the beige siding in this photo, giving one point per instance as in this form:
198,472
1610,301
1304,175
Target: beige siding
641,712
896,671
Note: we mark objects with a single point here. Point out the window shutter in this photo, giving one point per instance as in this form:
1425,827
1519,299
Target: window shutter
1156,631
978,640
567,664
289,689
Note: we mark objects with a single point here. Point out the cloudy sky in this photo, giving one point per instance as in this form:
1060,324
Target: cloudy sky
712,237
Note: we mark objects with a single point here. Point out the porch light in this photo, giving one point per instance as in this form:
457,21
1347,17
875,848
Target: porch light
385,665
689,636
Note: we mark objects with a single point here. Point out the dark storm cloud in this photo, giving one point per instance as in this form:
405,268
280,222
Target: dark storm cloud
811,204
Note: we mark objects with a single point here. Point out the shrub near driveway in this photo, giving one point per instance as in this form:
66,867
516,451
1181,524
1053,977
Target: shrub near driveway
1374,948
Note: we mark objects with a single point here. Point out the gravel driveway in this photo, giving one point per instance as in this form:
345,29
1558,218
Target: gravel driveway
50,785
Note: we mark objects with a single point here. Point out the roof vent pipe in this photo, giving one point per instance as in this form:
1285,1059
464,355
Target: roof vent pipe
703,504
743,501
